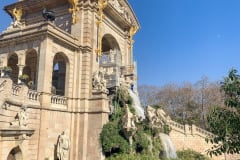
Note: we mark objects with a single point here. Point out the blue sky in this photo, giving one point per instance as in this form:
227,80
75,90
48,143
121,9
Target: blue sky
181,40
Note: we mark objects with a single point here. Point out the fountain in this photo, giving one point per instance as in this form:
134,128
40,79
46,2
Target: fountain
157,118
169,150
137,104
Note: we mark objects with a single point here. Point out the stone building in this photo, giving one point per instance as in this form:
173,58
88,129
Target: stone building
60,61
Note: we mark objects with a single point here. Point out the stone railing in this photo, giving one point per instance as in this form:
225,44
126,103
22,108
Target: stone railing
56,99
128,70
190,129
33,95
16,89
177,125
203,132
2,85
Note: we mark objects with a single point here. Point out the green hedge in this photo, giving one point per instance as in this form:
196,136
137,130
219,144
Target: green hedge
191,155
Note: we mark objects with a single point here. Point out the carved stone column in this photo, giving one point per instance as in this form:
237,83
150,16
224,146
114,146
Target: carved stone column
20,67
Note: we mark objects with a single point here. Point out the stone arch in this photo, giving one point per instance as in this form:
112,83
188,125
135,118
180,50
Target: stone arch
111,60
30,68
60,74
13,63
111,46
15,154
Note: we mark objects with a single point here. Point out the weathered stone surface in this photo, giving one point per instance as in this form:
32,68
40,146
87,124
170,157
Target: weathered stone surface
33,46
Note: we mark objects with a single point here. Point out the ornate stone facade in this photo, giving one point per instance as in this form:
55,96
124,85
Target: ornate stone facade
60,60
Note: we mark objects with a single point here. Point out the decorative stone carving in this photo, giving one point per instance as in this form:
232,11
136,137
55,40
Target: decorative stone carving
63,146
129,127
5,105
117,6
156,117
120,9
21,119
17,15
99,82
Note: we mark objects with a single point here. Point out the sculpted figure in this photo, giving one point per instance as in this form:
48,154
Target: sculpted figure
99,82
117,6
150,114
156,117
17,15
129,120
63,147
20,119
129,127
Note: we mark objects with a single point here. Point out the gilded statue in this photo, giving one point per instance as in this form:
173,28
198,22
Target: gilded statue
17,16
132,32
73,10
101,5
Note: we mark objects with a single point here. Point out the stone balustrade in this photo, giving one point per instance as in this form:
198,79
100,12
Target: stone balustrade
177,125
56,99
16,89
23,93
203,132
190,129
33,95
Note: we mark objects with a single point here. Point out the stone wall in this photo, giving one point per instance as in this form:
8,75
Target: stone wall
191,137
38,138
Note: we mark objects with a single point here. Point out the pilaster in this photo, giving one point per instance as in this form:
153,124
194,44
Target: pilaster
45,73
86,75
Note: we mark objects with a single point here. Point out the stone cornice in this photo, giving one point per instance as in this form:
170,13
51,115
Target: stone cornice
41,31
119,18
7,132
31,6
133,13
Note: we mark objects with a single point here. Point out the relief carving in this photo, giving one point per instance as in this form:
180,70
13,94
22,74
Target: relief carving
21,119
99,82
121,10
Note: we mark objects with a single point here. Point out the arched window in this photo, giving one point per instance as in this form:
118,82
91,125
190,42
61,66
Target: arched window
12,62
60,62
15,154
110,49
30,68
111,60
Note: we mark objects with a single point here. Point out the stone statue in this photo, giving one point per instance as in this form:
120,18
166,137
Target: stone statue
99,82
129,127
117,6
21,119
17,15
156,117
48,15
63,147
